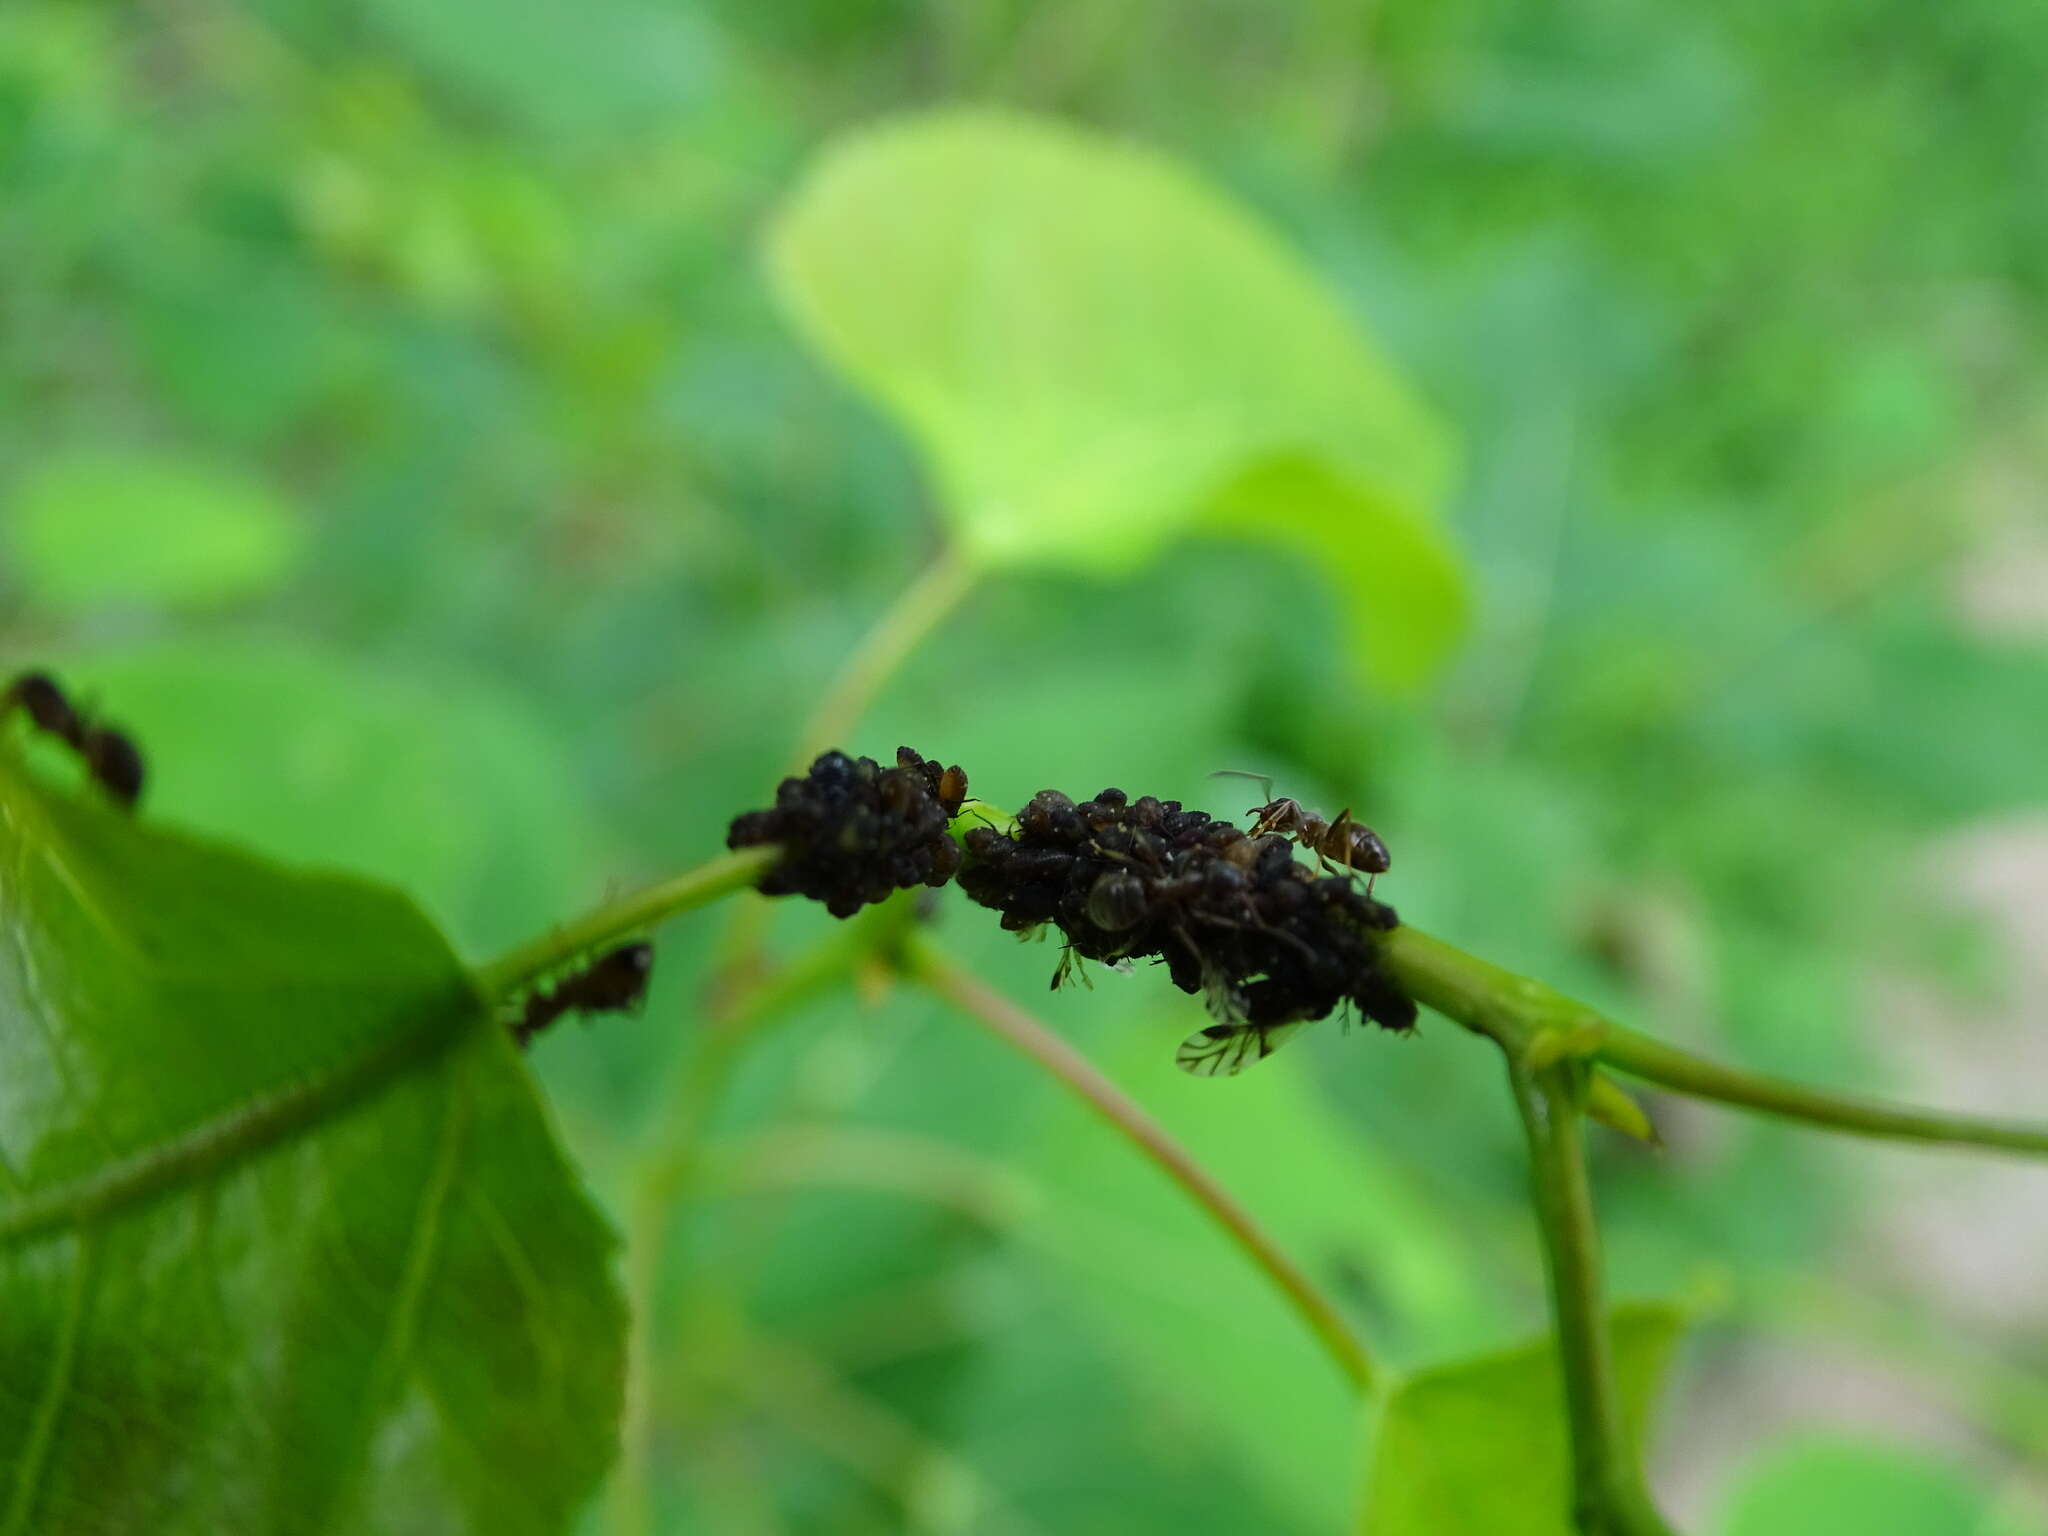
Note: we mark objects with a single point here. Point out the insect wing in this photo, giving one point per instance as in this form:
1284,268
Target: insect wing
1224,1050
1223,998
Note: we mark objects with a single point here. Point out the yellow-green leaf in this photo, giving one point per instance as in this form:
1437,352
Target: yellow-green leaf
94,529
1478,1447
1616,1108
1099,352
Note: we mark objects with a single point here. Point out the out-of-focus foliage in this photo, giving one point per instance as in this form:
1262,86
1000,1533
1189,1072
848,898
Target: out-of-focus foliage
1194,1321
284,1242
1478,1447
1820,1484
436,782
1097,351
100,531
1736,316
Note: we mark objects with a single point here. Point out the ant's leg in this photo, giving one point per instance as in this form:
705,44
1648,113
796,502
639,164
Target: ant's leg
1339,834
1344,824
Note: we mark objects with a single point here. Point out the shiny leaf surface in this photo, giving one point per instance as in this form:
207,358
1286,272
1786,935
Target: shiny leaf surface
285,1243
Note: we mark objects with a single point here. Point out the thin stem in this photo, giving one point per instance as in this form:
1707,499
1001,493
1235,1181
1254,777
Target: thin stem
1478,994
628,915
1668,1067
1608,1497
1525,1015
694,1090
1019,1029
816,1156
917,611
868,1438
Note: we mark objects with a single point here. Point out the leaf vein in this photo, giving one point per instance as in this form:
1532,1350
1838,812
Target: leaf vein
35,1455
229,1137
424,1240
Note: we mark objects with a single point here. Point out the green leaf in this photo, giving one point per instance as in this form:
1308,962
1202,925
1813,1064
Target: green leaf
435,783
1616,1108
94,529
1479,1447
285,1242
560,68
1826,1483
1099,352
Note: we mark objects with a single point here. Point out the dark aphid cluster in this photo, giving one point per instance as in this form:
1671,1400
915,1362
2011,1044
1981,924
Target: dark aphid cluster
853,831
1229,914
110,756
612,983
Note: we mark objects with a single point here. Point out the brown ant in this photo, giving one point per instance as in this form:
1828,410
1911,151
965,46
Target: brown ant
1342,843
110,756
613,983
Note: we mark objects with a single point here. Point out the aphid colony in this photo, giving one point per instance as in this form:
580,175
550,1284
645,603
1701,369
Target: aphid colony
109,755
852,831
1230,914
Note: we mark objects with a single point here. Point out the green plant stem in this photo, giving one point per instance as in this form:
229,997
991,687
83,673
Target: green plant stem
918,609
1483,997
1080,1076
903,625
1545,1034
624,917
1525,1015
1668,1067
1608,1496
667,1173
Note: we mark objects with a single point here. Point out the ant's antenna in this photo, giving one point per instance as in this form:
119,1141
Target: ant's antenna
1238,773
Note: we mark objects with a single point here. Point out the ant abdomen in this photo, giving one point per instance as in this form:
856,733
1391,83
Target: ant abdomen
1366,851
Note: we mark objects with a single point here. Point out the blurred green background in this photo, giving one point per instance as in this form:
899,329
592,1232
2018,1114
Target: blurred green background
400,430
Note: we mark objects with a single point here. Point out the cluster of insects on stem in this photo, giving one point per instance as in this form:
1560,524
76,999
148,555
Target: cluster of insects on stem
110,756
1229,911
613,982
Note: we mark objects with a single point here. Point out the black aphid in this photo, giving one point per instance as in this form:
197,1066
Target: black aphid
1230,914
37,695
612,983
110,755
852,831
